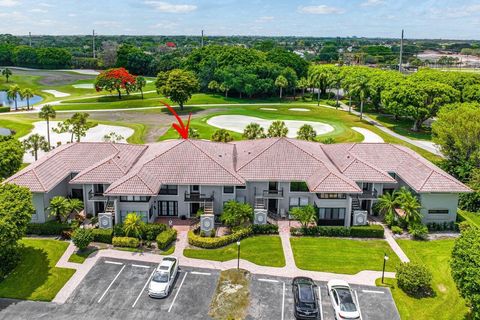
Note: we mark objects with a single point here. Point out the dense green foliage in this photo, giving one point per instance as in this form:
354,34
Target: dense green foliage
305,215
265,229
165,238
102,235
217,242
236,214
414,279
372,231
49,228
127,242
16,210
178,85
465,266
82,237
11,156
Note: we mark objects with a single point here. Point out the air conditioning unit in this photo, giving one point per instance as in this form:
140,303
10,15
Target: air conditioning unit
207,223
360,218
260,216
105,220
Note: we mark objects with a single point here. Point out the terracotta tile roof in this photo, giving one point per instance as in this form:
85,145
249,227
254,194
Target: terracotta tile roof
142,169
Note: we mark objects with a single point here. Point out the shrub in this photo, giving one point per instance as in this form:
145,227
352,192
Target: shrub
102,235
418,231
152,230
118,230
236,213
397,230
4,109
265,229
211,243
50,228
373,231
127,242
82,237
414,279
165,238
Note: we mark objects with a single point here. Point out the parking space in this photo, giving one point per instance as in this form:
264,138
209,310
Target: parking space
375,303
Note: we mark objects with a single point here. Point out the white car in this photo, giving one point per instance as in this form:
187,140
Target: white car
163,278
342,299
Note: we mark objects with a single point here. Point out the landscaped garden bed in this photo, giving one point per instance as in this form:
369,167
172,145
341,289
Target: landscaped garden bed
348,256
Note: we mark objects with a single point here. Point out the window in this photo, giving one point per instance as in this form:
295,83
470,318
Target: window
298,202
332,195
298,186
167,189
331,213
228,189
438,211
241,187
168,208
134,199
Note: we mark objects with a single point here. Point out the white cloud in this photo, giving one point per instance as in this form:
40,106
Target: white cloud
265,19
44,4
170,7
372,3
320,9
38,10
9,3
72,14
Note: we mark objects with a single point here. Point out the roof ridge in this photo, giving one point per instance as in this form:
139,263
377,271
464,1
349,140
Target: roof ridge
426,179
368,165
235,174
39,181
261,152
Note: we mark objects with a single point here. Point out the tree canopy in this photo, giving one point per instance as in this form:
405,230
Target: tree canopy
178,85
116,79
11,156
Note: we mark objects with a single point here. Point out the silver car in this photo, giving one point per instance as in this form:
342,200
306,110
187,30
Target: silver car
342,300
163,278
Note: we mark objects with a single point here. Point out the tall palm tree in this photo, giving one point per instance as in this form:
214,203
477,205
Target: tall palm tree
75,205
6,73
34,143
12,94
410,205
303,84
387,203
141,83
133,225
361,88
281,82
59,208
27,93
47,112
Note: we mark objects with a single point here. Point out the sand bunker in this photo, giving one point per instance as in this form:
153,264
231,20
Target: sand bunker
237,123
57,94
368,135
83,86
299,109
269,109
94,134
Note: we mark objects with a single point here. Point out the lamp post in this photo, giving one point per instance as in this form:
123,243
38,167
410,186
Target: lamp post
385,258
238,254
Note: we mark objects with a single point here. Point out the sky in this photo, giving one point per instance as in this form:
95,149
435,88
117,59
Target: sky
453,19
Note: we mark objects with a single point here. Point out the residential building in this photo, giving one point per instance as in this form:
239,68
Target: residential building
177,178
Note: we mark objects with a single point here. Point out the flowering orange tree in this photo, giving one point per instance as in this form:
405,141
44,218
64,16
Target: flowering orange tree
116,79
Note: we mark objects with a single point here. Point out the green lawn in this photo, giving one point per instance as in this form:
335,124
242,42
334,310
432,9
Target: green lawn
261,250
36,277
347,256
402,127
169,251
447,303
80,257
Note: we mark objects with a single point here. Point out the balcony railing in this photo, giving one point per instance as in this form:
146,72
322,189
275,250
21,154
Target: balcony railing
368,194
198,197
95,195
273,193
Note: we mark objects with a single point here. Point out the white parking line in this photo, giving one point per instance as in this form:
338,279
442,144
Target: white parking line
269,280
201,273
140,266
283,300
358,305
143,289
114,262
373,291
178,290
111,283
321,307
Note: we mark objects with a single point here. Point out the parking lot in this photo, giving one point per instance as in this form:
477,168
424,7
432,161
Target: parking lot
117,289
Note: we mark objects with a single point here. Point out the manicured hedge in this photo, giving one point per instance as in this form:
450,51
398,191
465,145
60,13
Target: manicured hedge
150,230
50,228
265,229
4,109
217,242
372,231
102,235
128,242
165,238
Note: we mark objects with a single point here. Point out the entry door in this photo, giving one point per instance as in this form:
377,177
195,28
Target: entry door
194,207
273,206
99,207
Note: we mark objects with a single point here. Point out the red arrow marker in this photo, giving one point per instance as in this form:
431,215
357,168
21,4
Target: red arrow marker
180,127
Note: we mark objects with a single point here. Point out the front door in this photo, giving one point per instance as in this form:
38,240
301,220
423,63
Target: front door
273,206
194,207
99,207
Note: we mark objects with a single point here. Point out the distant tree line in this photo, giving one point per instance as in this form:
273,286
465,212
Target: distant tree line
42,58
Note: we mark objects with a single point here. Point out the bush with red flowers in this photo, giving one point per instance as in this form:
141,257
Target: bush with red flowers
116,79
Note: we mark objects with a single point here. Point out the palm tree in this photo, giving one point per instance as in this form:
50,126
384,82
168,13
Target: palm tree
12,94
222,135
133,225
47,112
303,84
75,205
281,82
361,88
27,93
253,131
34,143
277,129
141,83
59,208
410,205
6,73
306,132
193,133
387,203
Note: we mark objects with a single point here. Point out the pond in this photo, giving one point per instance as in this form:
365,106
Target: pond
20,103
5,132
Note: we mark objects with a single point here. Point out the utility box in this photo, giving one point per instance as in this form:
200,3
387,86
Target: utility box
260,216
105,220
207,223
